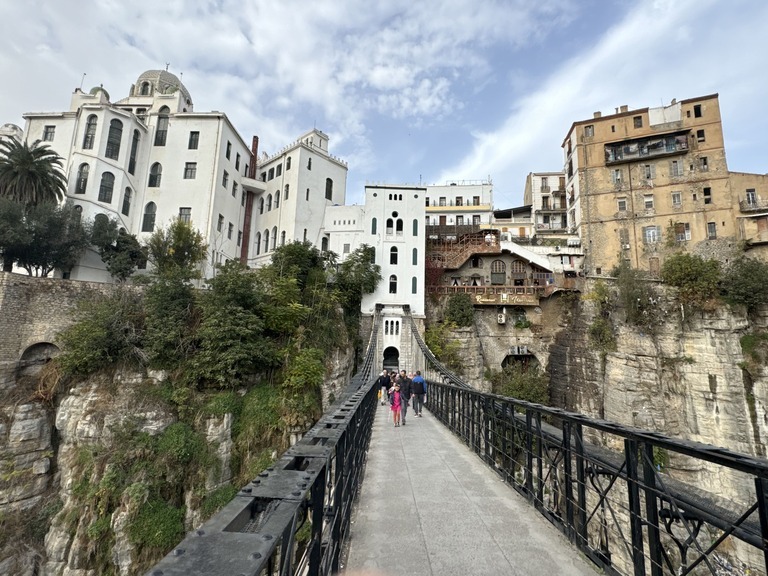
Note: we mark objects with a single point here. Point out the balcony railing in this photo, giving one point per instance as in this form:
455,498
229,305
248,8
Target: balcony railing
630,150
753,205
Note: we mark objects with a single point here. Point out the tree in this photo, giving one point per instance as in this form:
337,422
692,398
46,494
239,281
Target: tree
300,260
745,282
178,250
54,238
31,175
356,276
523,383
14,236
120,251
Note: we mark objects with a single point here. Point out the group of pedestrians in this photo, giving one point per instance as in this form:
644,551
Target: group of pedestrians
400,388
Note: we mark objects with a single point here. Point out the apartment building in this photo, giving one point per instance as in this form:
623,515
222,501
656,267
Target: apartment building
149,158
643,184
459,204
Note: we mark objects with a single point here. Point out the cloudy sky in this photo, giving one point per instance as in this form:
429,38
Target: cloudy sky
409,91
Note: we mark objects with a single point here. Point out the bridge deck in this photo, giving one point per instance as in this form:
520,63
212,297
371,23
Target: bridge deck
428,506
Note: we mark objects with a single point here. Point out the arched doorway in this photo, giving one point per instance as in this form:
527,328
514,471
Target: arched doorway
391,358
35,357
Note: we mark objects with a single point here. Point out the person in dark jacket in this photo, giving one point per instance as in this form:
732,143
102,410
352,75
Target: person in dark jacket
419,393
405,393
384,383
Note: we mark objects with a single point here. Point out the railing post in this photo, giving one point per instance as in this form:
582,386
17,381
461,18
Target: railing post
487,437
761,488
635,519
529,452
581,479
652,511
568,472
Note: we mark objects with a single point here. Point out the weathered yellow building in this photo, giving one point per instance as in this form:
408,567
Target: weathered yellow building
644,184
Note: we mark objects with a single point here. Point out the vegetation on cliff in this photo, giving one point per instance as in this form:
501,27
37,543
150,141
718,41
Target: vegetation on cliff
254,344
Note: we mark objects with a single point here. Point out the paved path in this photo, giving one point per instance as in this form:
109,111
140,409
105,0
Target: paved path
429,507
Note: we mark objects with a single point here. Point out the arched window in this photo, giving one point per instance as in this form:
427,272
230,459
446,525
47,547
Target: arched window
277,199
134,150
309,164
393,284
274,237
390,225
399,227
79,212
393,255
257,243
518,267
307,198
282,238
328,189
324,244
269,202
106,187
288,163
82,178
386,327
148,222
498,273
113,140
162,126
127,202
373,226
90,132
155,175
414,285
285,197
266,241
415,227
415,256
144,89
261,206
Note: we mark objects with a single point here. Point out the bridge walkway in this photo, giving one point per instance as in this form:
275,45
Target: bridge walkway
428,506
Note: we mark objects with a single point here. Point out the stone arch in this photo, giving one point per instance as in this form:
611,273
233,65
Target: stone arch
391,360
35,357
522,356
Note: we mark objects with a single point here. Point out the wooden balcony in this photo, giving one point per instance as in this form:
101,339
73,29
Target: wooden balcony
497,295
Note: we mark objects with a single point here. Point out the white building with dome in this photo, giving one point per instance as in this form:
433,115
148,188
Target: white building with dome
150,157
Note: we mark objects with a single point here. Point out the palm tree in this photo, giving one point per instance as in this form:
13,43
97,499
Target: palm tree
31,175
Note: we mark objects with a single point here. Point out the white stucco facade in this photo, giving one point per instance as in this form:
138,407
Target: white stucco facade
301,182
149,158
461,203
394,226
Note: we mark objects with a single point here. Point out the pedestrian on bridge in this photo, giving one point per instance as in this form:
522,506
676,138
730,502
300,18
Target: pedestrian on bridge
405,392
396,402
384,384
419,393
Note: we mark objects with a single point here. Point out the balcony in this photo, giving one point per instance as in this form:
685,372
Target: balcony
498,295
753,205
651,147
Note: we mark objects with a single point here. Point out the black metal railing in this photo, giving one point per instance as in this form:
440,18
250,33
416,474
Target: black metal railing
634,501
294,517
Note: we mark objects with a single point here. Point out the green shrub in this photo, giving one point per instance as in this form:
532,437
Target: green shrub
179,444
601,335
158,525
697,279
745,282
109,331
460,310
517,381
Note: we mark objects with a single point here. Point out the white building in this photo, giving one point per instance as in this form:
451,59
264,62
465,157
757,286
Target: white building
301,182
149,158
465,203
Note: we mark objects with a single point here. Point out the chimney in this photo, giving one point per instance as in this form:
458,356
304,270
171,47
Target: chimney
623,108
254,157
674,101
597,114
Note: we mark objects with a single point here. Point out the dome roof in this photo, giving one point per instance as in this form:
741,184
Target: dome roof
164,82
